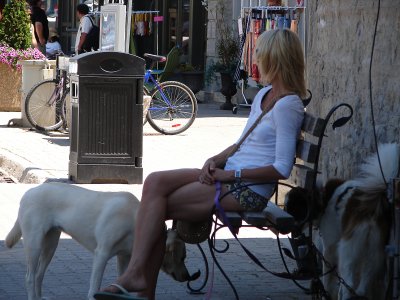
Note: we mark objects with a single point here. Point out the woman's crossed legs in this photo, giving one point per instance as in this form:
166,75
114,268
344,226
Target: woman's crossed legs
174,194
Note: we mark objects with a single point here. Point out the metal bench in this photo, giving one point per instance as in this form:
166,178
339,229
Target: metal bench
275,218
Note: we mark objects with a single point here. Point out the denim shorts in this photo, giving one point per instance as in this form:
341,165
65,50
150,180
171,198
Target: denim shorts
247,198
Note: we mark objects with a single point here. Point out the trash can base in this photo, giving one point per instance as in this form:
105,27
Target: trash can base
105,173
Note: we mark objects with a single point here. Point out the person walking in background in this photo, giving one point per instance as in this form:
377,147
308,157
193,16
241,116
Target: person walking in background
40,25
53,45
85,25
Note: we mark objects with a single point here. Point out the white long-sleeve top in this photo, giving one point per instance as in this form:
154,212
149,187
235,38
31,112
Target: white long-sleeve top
273,141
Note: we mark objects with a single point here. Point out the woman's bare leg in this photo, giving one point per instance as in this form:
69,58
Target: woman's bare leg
168,194
150,224
153,269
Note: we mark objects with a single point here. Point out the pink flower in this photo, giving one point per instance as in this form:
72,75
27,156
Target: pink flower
11,56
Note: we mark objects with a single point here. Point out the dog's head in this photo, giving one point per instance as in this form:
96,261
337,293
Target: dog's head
327,191
174,259
306,207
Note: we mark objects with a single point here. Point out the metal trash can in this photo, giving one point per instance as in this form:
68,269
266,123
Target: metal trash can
106,134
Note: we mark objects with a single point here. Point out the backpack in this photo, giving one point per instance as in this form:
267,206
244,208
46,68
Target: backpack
92,38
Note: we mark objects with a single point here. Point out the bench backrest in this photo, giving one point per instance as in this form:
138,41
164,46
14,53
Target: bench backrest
305,170
304,175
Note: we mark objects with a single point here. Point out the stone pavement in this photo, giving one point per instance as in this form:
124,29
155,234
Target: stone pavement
32,158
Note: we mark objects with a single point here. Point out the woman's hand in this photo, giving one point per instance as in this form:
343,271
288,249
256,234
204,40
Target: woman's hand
223,175
207,172
210,173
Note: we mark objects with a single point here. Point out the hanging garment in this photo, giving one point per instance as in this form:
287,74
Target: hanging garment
150,24
140,25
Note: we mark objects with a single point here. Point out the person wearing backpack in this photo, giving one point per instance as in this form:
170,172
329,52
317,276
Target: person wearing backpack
86,25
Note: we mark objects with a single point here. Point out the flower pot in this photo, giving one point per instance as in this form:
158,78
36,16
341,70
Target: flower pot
228,89
194,80
10,89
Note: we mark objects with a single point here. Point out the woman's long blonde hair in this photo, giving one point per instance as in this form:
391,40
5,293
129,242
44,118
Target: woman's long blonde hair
279,54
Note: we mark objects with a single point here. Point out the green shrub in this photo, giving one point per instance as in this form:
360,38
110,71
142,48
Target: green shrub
15,25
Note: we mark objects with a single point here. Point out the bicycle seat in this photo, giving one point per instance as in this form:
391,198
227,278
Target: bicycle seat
154,57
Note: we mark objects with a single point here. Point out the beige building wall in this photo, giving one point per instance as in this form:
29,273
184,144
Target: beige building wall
338,46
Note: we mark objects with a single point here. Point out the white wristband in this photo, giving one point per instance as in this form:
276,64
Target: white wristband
238,174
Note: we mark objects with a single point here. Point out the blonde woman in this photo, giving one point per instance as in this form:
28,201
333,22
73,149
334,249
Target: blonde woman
266,155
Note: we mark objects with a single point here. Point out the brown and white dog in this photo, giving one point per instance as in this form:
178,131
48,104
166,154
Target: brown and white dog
355,226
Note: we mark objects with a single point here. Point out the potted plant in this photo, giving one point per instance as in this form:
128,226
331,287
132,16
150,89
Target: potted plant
15,45
15,25
191,76
228,55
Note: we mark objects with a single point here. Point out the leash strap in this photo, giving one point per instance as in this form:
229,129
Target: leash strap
216,197
222,214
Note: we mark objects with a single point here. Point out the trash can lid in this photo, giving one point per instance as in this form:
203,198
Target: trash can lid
107,63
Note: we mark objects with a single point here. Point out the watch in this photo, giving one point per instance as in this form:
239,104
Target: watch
238,174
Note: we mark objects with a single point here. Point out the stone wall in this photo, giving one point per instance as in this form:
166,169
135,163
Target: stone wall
339,45
10,89
212,37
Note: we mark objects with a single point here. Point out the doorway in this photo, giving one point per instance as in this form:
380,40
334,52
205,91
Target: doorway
185,27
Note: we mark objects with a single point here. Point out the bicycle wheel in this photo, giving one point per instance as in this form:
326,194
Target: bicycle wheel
41,106
145,106
173,108
66,111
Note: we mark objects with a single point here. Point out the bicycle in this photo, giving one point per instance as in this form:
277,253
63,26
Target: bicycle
45,103
173,106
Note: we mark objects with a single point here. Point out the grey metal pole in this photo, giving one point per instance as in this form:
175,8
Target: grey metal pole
128,26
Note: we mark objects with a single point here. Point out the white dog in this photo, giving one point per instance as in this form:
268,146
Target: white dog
355,226
103,222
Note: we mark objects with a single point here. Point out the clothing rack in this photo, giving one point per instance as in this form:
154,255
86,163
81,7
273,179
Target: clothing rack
148,12
129,25
258,19
273,7
143,18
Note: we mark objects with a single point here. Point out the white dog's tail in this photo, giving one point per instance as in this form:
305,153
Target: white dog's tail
14,235
370,175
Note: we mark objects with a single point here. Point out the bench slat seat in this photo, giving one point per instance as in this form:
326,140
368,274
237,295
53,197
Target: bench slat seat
234,219
272,216
281,220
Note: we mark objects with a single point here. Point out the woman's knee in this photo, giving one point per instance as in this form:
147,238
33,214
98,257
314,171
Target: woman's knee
153,182
167,181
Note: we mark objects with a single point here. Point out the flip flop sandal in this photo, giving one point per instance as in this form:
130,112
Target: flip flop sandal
122,295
